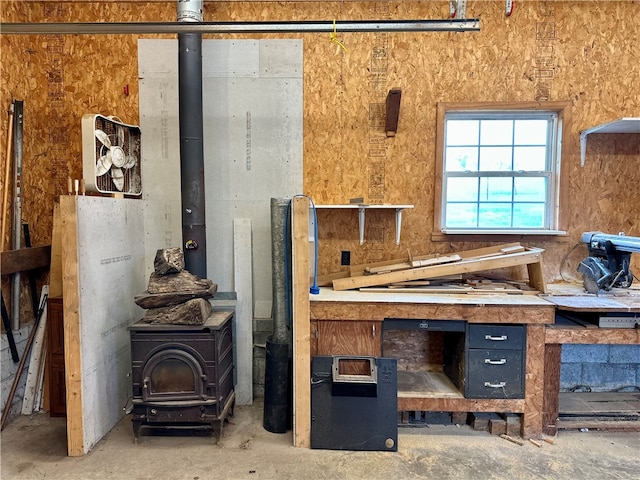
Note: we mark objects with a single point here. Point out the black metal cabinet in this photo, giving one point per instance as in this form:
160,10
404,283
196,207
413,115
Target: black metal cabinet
495,361
489,362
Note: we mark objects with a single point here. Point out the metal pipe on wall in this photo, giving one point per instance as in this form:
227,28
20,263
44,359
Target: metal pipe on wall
280,266
321,26
192,141
17,208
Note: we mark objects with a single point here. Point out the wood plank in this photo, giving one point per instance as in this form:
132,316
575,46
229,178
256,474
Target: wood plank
594,403
534,382
450,404
413,263
611,425
552,355
464,266
488,251
30,401
596,303
72,333
388,268
536,276
581,335
55,269
349,338
327,279
419,384
301,333
453,289
456,309
25,259
436,260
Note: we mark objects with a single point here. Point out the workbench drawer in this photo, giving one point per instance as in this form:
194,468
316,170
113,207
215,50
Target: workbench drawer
495,373
510,337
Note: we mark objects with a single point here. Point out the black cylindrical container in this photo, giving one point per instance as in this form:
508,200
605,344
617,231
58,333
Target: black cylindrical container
276,387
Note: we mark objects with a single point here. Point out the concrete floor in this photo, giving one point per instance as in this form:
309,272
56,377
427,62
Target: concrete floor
34,447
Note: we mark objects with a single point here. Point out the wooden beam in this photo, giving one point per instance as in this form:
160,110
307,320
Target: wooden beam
469,265
393,111
14,261
579,335
301,332
72,333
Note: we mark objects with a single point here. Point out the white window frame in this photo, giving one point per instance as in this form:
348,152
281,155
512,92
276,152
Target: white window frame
554,173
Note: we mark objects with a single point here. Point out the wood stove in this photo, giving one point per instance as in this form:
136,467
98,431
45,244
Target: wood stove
182,375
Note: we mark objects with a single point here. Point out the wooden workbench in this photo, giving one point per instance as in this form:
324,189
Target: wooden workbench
355,307
574,301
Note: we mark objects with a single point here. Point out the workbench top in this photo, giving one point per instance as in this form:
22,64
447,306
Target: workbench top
572,297
327,294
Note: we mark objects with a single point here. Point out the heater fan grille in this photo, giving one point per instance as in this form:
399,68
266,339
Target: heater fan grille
111,155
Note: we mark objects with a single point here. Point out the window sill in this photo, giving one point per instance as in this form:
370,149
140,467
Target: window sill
498,235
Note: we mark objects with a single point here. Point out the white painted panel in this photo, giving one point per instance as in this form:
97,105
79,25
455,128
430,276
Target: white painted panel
111,271
253,152
243,286
230,58
160,158
157,58
240,177
281,58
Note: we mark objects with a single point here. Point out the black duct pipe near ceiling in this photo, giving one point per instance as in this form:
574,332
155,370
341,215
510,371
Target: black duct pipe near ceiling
191,141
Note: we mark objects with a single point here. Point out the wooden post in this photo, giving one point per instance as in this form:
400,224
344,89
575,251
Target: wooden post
301,333
71,306
552,357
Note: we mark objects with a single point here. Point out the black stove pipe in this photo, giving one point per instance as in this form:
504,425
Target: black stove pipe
191,141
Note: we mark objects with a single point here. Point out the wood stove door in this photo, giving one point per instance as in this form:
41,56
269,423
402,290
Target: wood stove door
173,374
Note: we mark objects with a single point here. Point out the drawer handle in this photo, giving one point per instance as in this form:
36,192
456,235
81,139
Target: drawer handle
502,361
495,385
501,338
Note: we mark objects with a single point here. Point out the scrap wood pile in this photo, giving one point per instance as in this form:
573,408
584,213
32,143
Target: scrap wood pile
422,273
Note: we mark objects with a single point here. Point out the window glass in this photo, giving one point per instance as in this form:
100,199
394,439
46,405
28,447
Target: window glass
460,159
462,132
499,170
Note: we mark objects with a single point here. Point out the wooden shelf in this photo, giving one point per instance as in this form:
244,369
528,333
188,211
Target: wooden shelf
361,209
426,385
621,125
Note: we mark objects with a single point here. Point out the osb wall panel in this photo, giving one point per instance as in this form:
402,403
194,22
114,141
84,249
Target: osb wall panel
582,52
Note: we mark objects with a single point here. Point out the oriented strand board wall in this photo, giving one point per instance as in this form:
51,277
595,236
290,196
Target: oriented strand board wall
582,52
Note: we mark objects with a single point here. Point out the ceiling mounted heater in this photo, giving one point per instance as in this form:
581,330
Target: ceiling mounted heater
111,155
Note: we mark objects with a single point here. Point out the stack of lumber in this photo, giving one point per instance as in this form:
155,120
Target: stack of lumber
417,271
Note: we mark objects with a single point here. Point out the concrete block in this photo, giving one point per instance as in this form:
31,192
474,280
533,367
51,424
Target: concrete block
585,354
628,354
570,375
607,377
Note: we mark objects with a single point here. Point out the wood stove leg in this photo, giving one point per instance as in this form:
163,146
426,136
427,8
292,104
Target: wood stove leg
136,430
216,430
